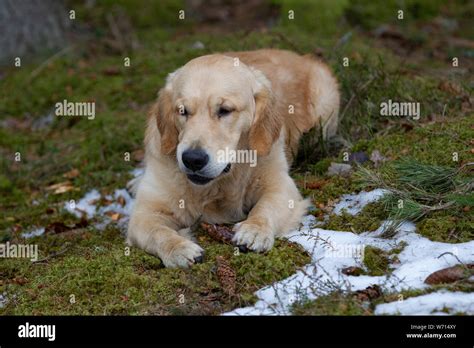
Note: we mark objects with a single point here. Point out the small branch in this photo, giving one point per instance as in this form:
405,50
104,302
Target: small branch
50,256
287,41
351,99
41,67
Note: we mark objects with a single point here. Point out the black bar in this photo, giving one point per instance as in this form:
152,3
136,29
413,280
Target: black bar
256,330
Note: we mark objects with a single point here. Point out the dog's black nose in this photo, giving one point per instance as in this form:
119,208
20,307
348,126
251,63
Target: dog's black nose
195,159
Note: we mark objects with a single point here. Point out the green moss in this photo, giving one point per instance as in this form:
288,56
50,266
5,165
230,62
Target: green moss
399,248
142,14
376,261
360,146
371,14
321,16
448,226
434,144
369,219
336,303
104,280
321,167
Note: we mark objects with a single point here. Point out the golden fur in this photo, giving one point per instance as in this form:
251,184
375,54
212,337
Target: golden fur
274,96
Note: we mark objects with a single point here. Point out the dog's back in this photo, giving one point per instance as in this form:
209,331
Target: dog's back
306,92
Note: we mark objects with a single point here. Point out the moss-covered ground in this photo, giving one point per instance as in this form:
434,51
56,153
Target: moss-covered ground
89,267
98,275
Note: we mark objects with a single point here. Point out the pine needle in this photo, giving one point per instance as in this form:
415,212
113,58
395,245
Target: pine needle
429,178
417,189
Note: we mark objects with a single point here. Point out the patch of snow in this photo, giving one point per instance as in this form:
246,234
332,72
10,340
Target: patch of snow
421,257
331,251
136,172
3,300
85,206
198,45
37,232
43,121
116,206
353,204
437,303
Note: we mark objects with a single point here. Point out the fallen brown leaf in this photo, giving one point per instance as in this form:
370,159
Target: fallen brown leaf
450,87
20,280
369,293
56,227
61,227
121,201
352,271
74,173
138,155
113,215
111,71
450,274
314,185
61,187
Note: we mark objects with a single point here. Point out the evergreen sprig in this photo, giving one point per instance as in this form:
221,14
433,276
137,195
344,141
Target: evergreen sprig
417,189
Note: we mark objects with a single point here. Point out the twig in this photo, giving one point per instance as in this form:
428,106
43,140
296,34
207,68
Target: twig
351,99
47,258
451,233
287,41
41,67
450,253
115,31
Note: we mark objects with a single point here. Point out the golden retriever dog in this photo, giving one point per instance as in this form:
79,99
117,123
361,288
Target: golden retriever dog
250,106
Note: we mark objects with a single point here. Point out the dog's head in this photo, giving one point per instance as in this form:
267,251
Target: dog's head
211,106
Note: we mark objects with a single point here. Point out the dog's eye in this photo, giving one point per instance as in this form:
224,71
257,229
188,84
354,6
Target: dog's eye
223,112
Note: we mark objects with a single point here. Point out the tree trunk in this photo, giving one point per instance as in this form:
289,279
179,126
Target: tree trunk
31,26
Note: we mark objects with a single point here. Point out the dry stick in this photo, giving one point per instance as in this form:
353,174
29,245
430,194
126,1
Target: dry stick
450,253
115,31
346,107
451,233
287,41
47,258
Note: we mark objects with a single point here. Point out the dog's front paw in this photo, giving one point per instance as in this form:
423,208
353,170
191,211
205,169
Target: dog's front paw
183,254
256,237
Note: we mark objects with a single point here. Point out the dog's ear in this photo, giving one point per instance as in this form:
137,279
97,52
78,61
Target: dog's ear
163,113
267,122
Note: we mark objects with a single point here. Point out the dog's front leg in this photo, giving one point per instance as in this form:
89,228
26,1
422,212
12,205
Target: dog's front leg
155,231
279,209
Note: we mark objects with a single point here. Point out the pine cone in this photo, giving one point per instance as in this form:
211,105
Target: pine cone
220,233
226,276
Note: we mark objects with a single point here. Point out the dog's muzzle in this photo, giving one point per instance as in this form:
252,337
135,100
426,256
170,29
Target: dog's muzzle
195,161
